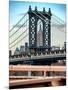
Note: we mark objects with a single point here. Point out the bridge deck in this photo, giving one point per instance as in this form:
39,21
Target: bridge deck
37,57
36,68
34,80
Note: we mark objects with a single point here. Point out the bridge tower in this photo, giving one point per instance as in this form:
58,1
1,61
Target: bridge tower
45,17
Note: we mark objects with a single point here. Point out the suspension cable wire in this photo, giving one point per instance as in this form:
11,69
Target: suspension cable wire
54,23
45,17
19,41
58,21
57,24
18,37
42,15
19,28
38,16
58,28
58,18
18,22
53,15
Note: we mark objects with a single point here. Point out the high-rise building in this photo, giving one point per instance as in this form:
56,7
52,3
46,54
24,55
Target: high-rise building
26,46
65,45
55,48
40,37
22,49
17,51
10,52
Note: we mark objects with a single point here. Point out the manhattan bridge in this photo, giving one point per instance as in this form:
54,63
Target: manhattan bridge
40,49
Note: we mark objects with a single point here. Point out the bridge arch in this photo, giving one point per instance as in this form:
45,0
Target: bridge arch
39,33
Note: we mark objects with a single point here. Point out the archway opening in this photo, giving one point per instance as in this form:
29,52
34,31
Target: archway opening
39,33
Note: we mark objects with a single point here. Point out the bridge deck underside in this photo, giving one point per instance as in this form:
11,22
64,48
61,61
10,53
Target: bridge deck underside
40,61
35,82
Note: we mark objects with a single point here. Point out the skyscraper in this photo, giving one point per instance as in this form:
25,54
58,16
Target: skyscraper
17,51
22,49
10,52
26,46
40,37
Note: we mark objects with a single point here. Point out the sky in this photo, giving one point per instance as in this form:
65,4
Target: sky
18,8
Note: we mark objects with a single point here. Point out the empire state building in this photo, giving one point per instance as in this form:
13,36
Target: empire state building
40,36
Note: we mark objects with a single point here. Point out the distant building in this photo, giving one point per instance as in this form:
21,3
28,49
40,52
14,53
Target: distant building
22,49
55,48
10,52
40,37
65,45
26,46
17,51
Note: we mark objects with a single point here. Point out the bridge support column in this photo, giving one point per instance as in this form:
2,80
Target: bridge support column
59,52
55,83
46,53
50,53
54,52
37,54
64,52
44,74
29,73
41,53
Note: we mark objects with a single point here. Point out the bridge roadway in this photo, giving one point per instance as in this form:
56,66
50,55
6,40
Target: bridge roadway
50,57
37,81
36,68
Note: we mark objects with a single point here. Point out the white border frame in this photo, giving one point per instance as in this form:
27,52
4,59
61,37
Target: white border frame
4,60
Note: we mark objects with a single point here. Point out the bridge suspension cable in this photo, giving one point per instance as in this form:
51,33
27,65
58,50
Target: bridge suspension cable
18,37
42,15
58,19
38,16
19,28
19,41
18,22
55,17
57,24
